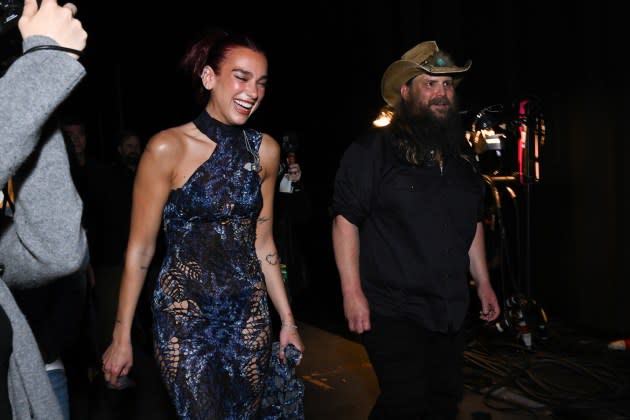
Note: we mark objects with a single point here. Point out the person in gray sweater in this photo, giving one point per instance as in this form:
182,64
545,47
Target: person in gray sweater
45,239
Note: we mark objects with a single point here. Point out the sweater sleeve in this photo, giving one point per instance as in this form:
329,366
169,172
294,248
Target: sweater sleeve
46,239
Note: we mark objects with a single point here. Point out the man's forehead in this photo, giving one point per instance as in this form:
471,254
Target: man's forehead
75,128
131,140
429,77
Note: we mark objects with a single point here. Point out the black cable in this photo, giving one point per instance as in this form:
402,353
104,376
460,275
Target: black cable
55,48
559,383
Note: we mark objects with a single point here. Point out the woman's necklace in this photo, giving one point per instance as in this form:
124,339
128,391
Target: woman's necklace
255,165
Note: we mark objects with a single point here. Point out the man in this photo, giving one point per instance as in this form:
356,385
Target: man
406,234
76,135
44,239
290,175
129,149
84,167
293,212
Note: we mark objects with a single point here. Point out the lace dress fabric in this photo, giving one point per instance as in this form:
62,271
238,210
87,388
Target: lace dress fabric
212,324
283,397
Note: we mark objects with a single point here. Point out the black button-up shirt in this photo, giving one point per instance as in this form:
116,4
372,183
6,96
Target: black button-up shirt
416,226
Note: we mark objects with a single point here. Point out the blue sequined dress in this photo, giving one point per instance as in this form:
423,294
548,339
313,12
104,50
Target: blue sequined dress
211,316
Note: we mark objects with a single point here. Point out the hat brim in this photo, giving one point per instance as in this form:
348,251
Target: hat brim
401,71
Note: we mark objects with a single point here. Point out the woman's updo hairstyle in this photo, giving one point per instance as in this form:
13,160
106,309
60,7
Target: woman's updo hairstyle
210,50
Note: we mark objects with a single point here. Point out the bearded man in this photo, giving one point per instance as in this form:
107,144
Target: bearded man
407,236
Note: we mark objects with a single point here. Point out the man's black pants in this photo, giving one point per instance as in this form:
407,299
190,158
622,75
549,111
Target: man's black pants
419,371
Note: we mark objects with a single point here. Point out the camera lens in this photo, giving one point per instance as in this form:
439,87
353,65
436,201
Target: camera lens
10,11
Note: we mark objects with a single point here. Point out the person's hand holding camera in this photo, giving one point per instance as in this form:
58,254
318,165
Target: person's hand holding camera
54,21
294,172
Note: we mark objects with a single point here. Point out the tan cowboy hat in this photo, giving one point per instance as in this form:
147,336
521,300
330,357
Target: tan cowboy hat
425,58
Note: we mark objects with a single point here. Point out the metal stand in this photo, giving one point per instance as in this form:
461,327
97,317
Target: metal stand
521,312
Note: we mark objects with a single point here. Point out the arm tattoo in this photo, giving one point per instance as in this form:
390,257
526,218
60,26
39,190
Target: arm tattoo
263,219
272,259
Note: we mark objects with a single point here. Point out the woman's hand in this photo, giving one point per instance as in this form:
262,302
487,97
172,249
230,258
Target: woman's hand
117,362
289,335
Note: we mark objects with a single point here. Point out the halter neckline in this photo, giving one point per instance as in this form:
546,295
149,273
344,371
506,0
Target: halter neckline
215,129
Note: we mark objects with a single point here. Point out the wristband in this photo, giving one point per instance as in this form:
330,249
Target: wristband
53,47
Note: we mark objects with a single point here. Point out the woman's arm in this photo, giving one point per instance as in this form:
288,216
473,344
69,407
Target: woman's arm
266,248
151,188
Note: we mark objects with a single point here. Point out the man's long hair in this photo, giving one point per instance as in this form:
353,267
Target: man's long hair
421,139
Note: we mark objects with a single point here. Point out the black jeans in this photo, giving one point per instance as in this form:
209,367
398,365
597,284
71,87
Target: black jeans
419,371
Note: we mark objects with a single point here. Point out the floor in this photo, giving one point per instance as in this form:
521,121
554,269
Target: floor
574,378
553,372
564,375
340,384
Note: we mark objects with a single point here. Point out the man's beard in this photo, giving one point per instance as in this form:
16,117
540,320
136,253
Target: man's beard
131,160
424,138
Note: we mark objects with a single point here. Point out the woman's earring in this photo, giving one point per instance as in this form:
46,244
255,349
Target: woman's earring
204,74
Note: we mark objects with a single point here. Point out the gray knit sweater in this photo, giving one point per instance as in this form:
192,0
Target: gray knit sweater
45,240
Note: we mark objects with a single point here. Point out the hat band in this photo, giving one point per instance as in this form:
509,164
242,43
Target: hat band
432,69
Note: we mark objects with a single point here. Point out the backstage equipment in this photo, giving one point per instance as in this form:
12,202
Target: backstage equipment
508,141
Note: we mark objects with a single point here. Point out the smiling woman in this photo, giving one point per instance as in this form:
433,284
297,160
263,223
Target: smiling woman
212,183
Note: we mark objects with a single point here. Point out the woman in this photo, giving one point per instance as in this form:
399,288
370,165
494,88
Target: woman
212,181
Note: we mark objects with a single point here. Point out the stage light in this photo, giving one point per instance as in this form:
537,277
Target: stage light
384,117
485,130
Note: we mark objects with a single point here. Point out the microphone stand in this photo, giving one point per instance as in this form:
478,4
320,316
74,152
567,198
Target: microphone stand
529,175
520,308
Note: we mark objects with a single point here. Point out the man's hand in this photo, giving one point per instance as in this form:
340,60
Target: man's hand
294,172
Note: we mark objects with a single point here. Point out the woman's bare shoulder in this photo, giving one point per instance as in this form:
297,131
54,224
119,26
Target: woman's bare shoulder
170,141
269,155
269,146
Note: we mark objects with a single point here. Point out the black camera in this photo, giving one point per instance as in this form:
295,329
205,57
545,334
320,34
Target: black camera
10,12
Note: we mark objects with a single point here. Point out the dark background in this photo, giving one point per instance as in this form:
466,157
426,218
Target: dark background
326,61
